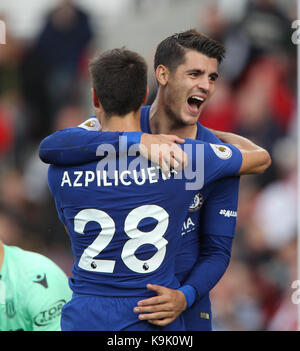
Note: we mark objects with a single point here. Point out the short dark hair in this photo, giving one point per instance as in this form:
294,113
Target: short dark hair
171,51
119,78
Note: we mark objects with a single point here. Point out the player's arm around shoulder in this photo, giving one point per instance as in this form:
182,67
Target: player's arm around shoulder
255,158
255,161
76,145
47,292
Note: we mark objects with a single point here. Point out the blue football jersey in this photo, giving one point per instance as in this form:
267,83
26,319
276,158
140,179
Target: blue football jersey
124,221
213,210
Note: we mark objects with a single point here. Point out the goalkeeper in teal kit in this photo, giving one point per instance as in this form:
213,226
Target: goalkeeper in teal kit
33,290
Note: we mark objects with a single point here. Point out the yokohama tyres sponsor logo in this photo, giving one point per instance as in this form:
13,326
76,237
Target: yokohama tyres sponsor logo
46,317
228,213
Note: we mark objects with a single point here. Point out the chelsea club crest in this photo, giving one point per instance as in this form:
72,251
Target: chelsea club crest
196,203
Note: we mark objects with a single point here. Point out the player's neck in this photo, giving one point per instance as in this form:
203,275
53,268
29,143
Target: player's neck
127,123
161,123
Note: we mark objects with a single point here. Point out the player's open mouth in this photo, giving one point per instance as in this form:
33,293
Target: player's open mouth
194,103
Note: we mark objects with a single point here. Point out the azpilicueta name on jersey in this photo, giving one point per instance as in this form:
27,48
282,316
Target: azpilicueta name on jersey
84,178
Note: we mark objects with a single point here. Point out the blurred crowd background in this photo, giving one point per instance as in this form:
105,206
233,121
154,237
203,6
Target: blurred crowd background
44,86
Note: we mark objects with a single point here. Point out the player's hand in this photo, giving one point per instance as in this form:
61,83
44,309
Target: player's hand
161,309
163,150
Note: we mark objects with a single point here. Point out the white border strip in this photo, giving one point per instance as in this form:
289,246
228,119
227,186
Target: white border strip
298,119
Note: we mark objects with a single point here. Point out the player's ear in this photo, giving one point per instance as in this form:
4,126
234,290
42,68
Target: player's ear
96,101
146,96
162,74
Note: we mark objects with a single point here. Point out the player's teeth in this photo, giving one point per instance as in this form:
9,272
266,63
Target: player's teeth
198,98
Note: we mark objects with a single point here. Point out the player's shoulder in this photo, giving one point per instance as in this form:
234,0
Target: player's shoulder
92,124
31,262
223,152
206,135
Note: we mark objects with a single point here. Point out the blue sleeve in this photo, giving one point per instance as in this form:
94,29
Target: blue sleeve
218,218
219,211
209,162
213,261
73,146
221,160
217,227
190,294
